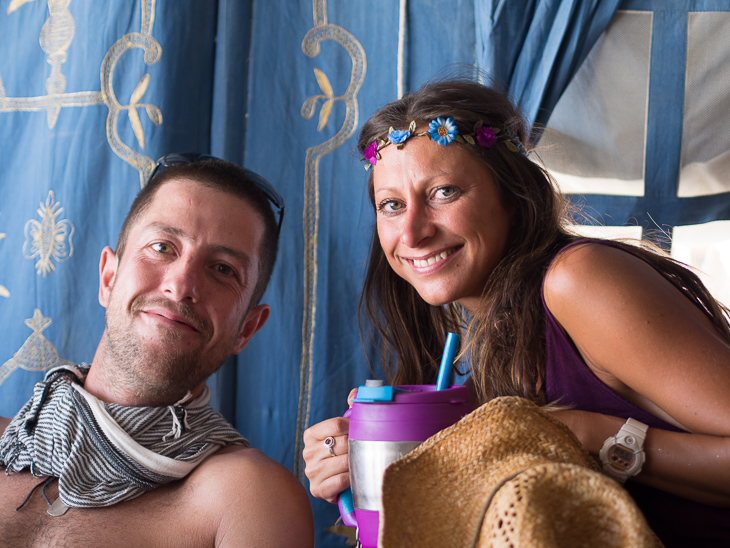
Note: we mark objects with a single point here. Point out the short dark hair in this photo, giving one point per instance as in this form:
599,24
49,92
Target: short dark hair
223,176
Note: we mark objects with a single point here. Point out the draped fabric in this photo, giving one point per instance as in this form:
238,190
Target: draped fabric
106,453
92,93
534,48
639,138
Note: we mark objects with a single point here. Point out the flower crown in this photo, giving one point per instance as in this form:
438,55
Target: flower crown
444,132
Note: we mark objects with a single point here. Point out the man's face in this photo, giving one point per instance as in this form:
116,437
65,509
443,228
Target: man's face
177,301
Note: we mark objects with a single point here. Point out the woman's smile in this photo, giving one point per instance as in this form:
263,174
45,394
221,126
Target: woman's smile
436,259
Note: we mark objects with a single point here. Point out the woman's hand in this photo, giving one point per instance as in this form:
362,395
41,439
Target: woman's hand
328,475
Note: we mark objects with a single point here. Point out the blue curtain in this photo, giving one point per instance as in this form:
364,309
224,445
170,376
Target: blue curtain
92,93
534,48
660,206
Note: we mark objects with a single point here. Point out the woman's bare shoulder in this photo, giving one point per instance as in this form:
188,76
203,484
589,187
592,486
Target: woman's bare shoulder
584,266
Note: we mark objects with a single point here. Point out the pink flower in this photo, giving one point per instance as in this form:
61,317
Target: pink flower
371,153
486,137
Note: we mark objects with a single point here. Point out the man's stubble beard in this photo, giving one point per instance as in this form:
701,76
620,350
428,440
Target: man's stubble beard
159,374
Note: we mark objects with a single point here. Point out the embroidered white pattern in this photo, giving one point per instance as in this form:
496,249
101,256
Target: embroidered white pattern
56,37
3,290
49,238
37,352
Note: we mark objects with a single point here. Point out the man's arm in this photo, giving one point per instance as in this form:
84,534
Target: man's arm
255,501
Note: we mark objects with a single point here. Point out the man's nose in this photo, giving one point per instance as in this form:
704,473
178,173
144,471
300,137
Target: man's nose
417,226
182,280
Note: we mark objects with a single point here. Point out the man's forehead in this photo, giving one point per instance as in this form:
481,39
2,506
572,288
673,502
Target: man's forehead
183,192
181,205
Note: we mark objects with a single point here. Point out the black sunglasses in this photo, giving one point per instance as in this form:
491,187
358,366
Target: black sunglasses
180,158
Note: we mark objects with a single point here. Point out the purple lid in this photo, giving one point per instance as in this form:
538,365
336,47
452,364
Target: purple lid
415,414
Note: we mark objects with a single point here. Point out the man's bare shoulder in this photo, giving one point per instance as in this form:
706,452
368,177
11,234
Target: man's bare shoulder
4,421
256,500
236,461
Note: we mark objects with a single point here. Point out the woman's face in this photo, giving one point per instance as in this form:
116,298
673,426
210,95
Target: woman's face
440,221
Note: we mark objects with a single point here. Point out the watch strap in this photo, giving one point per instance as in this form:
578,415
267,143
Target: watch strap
632,435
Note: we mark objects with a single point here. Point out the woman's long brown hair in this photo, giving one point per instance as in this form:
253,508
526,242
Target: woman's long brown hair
506,336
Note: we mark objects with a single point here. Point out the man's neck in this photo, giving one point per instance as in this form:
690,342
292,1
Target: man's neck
104,384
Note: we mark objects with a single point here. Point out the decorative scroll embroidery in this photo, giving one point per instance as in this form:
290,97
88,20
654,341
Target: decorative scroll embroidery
47,239
311,46
37,352
3,290
56,36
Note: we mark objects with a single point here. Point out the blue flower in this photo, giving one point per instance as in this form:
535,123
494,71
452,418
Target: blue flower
398,136
443,131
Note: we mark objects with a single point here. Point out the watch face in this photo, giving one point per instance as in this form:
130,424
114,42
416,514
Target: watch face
620,457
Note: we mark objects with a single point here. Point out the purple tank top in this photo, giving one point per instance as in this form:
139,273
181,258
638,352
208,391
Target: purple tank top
677,521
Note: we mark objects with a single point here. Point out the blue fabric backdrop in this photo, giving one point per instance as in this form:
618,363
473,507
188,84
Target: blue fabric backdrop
92,93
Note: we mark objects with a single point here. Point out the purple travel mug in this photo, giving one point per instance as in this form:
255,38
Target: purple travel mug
386,423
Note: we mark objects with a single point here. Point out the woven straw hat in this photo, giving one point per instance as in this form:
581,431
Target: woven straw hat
507,474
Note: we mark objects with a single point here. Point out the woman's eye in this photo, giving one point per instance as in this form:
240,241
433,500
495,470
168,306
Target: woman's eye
390,206
446,191
161,247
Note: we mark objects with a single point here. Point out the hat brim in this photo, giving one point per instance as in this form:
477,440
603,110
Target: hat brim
508,474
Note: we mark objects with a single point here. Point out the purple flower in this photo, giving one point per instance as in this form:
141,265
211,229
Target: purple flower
371,153
443,131
486,137
398,136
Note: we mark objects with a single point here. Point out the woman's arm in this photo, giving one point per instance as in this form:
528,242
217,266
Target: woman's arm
642,337
4,421
675,462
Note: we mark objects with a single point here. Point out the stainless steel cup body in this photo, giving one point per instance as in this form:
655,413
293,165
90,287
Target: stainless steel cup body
368,461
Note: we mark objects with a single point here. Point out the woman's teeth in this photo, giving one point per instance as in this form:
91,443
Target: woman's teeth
418,263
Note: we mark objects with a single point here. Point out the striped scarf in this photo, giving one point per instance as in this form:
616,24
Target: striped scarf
104,453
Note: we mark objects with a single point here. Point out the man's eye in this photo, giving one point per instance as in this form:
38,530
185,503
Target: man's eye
390,206
161,247
224,269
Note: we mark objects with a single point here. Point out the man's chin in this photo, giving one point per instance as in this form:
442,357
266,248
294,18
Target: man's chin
160,390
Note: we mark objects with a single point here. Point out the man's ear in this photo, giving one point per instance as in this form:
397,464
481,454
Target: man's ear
255,320
107,274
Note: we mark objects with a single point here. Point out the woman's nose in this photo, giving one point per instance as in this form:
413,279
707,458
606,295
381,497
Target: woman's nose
417,226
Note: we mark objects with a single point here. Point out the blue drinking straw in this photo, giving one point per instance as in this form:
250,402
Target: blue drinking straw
447,361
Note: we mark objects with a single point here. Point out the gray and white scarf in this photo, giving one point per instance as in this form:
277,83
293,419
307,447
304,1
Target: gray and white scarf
104,453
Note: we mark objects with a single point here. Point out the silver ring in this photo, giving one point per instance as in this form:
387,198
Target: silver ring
329,443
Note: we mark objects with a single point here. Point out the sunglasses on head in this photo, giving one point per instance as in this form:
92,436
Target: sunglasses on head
180,158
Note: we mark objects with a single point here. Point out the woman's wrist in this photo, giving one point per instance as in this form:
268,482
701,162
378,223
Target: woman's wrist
591,429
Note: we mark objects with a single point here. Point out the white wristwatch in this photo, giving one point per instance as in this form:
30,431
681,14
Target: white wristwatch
622,455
